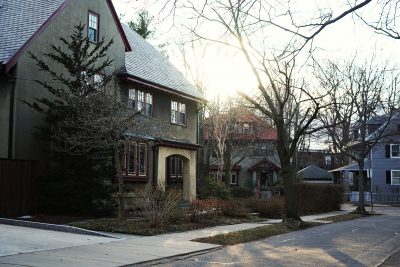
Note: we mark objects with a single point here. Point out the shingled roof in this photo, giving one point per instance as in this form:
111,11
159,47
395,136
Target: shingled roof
22,20
19,20
147,63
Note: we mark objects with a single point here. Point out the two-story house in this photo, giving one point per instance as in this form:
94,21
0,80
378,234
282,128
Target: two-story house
147,81
382,164
254,156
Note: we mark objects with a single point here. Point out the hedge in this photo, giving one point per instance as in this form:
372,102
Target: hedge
315,198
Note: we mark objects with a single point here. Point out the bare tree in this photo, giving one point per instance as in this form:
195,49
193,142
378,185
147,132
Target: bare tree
225,138
358,93
384,22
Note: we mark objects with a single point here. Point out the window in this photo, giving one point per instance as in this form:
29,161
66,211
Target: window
175,168
140,101
351,178
395,150
395,177
142,159
178,113
182,113
132,159
233,178
328,160
135,159
149,105
132,99
246,128
93,29
174,111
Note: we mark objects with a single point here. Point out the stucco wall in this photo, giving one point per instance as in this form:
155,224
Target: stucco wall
189,169
162,113
26,119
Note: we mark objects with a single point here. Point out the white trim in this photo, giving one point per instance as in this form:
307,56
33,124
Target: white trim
391,154
233,174
391,177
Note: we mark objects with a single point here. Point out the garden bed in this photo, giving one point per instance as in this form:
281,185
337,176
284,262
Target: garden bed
141,226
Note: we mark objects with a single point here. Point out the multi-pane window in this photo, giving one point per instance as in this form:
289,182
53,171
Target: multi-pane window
140,101
178,113
135,159
132,159
395,150
182,113
175,168
142,159
93,29
149,105
132,99
395,177
174,111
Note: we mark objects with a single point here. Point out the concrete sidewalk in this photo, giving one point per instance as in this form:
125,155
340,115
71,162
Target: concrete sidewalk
134,249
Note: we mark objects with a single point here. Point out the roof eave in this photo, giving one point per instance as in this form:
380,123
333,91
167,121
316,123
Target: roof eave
121,31
132,78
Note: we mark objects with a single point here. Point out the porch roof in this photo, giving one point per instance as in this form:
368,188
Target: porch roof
352,167
264,165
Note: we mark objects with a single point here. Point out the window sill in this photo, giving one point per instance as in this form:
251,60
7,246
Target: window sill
178,124
131,178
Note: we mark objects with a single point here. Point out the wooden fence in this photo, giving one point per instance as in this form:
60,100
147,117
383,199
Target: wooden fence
17,195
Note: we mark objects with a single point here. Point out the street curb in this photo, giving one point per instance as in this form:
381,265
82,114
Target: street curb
54,227
173,258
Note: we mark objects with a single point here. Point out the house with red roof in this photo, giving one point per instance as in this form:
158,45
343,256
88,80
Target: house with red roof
255,161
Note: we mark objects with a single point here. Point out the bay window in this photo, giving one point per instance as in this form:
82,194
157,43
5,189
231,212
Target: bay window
135,163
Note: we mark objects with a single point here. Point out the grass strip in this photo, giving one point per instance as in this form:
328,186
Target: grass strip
346,217
252,234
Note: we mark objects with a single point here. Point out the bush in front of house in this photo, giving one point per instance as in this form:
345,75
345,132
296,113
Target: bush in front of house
241,192
272,207
314,198
212,188
157,204
234,208
178,216
204,208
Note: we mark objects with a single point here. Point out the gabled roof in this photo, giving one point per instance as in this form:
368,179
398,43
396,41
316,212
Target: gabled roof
22,20
264,165
147,64
314,172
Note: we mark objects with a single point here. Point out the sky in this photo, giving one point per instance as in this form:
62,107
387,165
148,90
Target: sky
224,72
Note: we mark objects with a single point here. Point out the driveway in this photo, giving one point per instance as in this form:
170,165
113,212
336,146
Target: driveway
16,240
363,242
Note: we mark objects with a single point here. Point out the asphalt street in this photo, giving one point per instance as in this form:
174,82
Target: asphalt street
363,242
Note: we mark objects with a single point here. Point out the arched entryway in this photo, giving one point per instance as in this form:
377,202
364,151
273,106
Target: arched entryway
177,167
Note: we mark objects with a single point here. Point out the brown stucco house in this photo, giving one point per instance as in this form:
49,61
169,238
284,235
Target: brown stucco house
147,82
